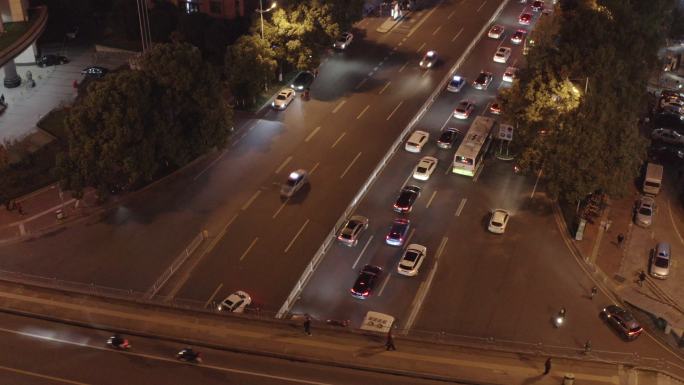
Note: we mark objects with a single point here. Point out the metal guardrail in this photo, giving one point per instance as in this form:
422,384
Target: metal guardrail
38,20
176,264
318,256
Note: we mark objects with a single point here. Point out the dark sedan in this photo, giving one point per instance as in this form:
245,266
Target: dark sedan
366,281
51,60
406,198
302,81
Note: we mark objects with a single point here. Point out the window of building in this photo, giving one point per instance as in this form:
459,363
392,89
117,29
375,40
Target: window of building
215,7
192,6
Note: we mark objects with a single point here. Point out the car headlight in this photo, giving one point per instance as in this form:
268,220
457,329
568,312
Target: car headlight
272,104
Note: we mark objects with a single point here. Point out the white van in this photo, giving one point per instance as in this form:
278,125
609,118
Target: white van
653,179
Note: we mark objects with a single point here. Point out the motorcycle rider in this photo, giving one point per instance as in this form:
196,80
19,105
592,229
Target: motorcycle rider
188,354
116,340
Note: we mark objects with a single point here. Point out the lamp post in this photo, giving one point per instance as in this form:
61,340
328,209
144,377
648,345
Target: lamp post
261,11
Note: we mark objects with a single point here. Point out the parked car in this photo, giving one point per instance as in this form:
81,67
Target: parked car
366,281
416,141
350,232
622,321
410,262
661,261
51,60
236,302
509,74
645,210
95,72
667,135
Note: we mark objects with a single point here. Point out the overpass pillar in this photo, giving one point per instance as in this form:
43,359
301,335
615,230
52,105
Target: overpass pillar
12,79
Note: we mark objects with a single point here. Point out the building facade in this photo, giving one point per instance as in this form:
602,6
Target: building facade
225,9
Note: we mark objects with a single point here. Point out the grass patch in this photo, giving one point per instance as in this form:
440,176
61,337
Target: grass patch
12,32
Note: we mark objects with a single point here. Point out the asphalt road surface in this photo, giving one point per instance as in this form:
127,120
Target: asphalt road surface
37,352
473,283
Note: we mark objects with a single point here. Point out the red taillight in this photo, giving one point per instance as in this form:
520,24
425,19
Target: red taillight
365,294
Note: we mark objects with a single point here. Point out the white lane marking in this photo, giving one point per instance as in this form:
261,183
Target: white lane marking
296,235
451,15
481,5
534,189
314,168
213,295
674,225
361,83
460,207
457,35
362,251
478,172
420,48
213,162
249,248
315,130
282,206
339,106
282,165
350,165
408,239
446,122
338,140
431,198
395,110
424,289
402,67
406,181
421,22
384,284
385,87
249,202
235,142
362,112
425,73
148,356
436,30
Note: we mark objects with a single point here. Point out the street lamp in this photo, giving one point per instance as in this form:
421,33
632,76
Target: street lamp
261,11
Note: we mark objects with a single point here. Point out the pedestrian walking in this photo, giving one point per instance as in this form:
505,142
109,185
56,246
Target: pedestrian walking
642,278
2,99
594,291
389,344
587,347
620,239
307,325
547,366
20,209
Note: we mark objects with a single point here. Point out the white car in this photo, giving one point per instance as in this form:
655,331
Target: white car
495,32
295,181
343,40
425,167
283,99
429,60
667,135
502,54
498,221
410,262
456,83
236,302
464,109
509,74
416,141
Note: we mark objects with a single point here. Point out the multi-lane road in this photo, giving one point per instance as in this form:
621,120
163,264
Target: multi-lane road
473,283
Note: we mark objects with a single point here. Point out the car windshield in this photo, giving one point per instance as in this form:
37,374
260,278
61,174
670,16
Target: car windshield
645,211
342,39
421,170
497,223
662,262
281,97
411,256
292,181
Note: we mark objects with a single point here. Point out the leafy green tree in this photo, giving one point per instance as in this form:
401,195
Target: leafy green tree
250,63
346,12
132,126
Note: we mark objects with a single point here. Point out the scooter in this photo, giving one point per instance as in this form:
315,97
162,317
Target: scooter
189,355
117,342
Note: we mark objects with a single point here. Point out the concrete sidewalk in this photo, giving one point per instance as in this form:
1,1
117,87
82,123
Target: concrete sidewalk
414,357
